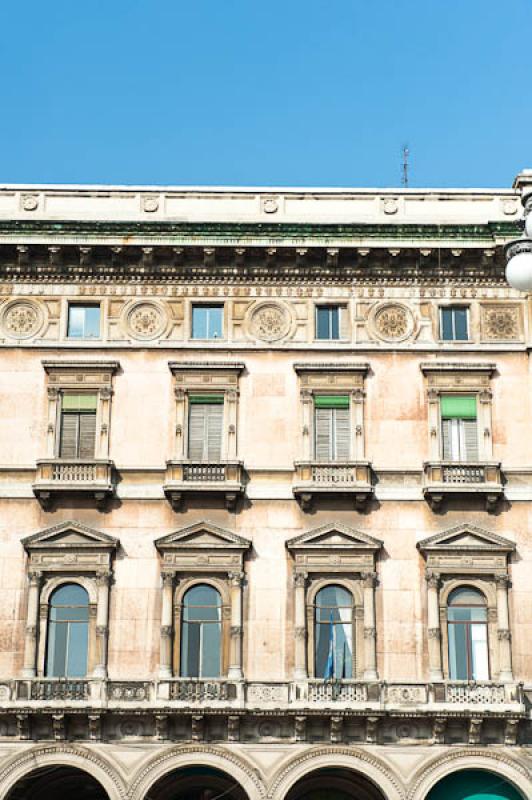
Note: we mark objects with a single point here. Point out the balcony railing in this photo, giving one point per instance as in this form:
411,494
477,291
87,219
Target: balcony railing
332,477
448,478
481,693
58,476
217,477
202,691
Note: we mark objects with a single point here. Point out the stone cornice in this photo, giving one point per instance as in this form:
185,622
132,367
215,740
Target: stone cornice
109,366
457,366
181,366
331,367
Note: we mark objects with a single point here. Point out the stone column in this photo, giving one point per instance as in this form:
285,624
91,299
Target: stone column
300,665
235,657
434,631
32,622
357,421
165,654
180,423
370,632
53,417
103,579
306,401
503,629
231,397
102,449
434,424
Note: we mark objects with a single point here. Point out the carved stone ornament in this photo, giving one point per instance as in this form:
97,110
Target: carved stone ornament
501,323
150,203
393,322
30,202
146,320
22,319
269,322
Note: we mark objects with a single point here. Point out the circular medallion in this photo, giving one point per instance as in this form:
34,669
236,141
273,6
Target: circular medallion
22,319
150,204
146,320
393,322
30,202
269,322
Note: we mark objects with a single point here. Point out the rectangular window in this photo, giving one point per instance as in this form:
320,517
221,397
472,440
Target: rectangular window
83,321
332,427
207,322
330,322
205,425
78,426
459,427
454,323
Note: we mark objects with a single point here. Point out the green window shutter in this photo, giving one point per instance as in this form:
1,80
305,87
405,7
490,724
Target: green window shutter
78,402
323,433
68,445
205,429
458,406
87,435
470,439
331,401
206,399
342,434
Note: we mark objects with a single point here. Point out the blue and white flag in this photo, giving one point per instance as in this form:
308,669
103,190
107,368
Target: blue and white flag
329,666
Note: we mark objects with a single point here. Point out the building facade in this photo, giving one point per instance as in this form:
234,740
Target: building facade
266,495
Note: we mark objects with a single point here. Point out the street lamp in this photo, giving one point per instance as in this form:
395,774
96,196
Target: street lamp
519,254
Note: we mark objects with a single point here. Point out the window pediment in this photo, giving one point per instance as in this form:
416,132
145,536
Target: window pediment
70,547
334,548
467,549
203,547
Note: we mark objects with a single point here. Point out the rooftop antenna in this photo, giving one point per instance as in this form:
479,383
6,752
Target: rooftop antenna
404,167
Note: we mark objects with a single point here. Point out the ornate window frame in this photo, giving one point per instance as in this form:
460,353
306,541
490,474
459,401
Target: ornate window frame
202,553
467,555
68,553
463,378
335,554
95,377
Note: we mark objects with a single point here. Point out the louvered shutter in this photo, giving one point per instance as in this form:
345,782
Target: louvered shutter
323,430
446,439
196,431
470,439
87,435
341,434
214,432
68,447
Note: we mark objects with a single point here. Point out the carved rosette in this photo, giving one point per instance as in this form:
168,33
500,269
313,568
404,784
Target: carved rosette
146,320
499,323
22,319
392,322
269,322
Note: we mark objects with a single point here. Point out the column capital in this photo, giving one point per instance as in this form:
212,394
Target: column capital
179,393
35,577
369,579
306,395
236,579
300,579
168,579
103,578
502,580
433,579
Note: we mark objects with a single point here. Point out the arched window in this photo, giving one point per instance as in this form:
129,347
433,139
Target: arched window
333,615
68,632
201,633
467,625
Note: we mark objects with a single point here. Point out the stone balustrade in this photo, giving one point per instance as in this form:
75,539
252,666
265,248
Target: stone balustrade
318,478
447,478
205,693
185,477
56,476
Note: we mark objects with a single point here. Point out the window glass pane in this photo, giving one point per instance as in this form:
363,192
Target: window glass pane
457,652
334,596
210,656
66,614
76,319
215,320
460,323
70,594
335,322
190,650
199,322
466,595
446,324
203,595
479,655
92,322
322,323
57,649
77,649
322,635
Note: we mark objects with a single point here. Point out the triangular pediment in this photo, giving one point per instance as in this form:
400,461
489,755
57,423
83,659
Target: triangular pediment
202,536
334,536
70,534
466,537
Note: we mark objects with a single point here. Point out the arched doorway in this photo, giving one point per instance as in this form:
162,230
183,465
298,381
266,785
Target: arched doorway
196,783
474,784
54,782
334,784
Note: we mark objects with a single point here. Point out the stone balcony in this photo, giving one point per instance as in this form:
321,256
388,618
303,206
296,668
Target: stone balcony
187,478
59,476
454,479
315,478
452,697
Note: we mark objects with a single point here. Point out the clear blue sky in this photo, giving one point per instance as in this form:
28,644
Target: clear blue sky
300,92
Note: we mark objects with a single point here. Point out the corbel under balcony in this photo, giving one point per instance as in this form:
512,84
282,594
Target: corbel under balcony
314,478
60,476
460,478
188,478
